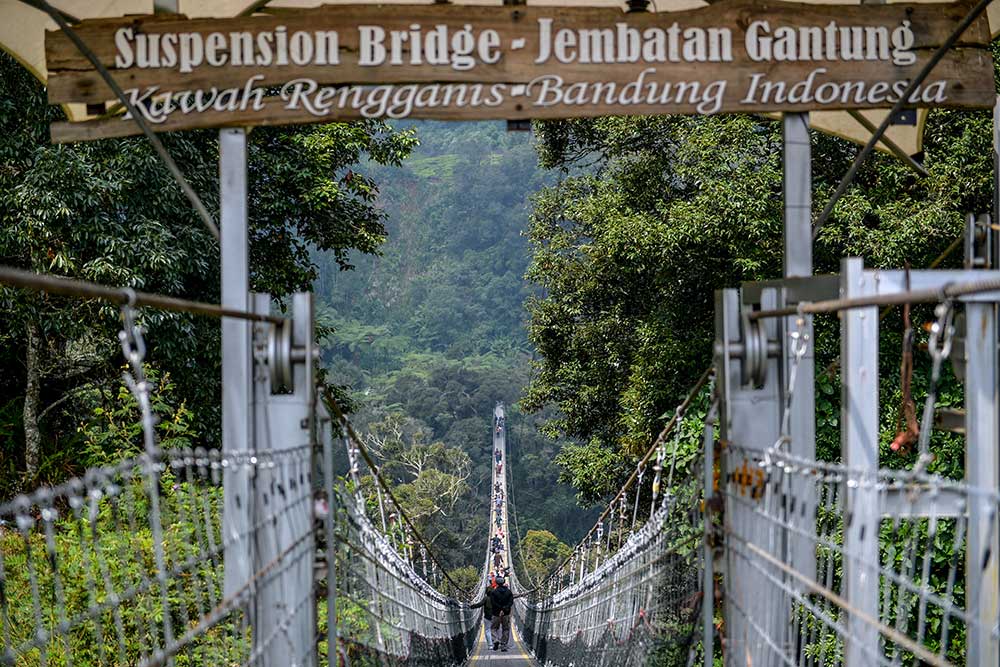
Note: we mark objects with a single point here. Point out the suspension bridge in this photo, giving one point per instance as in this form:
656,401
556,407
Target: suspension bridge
740,547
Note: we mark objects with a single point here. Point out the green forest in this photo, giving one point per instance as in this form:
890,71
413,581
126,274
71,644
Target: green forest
568,272
431,333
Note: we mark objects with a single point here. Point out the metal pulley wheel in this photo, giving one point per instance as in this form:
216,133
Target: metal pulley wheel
279,355
754,359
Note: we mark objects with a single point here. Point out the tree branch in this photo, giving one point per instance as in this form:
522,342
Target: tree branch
65,397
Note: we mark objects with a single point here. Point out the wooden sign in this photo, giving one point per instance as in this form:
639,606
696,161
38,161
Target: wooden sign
476,62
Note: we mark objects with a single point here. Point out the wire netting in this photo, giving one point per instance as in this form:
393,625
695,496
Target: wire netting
137,564
387,613
899,537
635,605
124,566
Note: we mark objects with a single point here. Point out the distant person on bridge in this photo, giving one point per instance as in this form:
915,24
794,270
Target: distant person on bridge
498,455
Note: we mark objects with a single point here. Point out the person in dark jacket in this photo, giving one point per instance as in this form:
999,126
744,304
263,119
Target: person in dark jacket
487,604
503,604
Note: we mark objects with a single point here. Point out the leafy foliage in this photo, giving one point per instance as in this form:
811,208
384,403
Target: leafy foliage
541,551
449,281
125,557
113,432
653,213
108,211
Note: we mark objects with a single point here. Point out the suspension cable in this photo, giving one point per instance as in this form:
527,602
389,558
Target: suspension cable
60,19
682,409
53,284
335,408
951,291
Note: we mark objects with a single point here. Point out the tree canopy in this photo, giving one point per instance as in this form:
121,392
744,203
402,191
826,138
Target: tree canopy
108,211
652,214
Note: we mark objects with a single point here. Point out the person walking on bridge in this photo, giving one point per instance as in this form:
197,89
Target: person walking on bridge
487,604
503,604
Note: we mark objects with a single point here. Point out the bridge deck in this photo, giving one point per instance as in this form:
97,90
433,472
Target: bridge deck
516,656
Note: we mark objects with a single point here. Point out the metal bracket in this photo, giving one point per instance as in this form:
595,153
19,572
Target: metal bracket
950,419
979,232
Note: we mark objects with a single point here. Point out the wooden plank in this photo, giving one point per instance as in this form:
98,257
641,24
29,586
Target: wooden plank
71,78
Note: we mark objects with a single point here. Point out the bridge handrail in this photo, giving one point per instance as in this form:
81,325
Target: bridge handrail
331,402
679,414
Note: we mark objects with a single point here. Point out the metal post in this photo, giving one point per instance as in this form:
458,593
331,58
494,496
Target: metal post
708,575
236,357
996,178
749,420
859,448
982,471
797,186
283,502
326,435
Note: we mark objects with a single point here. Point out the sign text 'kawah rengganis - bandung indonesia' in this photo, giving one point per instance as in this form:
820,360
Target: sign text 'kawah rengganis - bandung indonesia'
474,62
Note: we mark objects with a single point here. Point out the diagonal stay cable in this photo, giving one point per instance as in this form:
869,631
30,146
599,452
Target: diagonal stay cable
889,143
60,19
334,407
679,414
848,178
253,7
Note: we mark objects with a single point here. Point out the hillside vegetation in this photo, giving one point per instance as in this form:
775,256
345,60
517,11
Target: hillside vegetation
431,333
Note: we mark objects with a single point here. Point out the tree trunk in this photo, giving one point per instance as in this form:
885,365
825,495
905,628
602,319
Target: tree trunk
32,400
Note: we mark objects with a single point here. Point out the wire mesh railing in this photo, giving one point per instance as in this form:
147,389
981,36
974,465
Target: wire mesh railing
638,605
919,606
631,591
88,578
387,610
127,565
824,564
828,564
